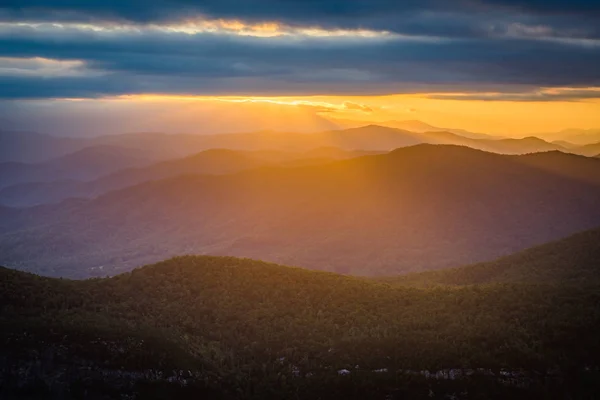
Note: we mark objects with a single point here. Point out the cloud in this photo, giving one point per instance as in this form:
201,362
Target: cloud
355,106
287,10
560,94
150,61
460,18
102,48
43,67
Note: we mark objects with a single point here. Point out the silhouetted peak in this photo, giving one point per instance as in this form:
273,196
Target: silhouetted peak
415,123
214,152
436,149
372,127
549,154
533,139
100,149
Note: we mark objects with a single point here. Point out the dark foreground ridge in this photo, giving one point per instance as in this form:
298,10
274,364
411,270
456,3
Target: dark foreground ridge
224,327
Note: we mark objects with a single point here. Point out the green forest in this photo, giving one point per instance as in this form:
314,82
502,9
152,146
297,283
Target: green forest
237,328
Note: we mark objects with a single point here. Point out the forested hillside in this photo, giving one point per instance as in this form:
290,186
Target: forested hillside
248,329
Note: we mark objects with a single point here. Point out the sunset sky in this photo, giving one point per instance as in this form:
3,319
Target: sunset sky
510,67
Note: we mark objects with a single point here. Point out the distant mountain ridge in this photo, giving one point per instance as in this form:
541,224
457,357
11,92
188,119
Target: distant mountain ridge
417,127
422,127
589,150
214,161
25,190
414,209
27,147
575,136
573,260
84,164
31,147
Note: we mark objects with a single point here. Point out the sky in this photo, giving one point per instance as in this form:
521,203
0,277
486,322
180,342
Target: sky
509,67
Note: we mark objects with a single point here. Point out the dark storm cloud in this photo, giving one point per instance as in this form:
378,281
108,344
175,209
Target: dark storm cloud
552,6
458,18
464,45
299,11
208,64
567,95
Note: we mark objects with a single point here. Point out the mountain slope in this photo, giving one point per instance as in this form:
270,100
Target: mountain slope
261,330
29,147
95,161
84,164
208,162
588,150
575,259
565,144
374,137
215,161
577,136
584,169
423,127
522,146
413,209
502,146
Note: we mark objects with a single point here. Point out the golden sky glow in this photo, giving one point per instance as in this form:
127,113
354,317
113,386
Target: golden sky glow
296,69
508,118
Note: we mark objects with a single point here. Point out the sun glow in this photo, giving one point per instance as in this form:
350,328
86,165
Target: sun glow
508,117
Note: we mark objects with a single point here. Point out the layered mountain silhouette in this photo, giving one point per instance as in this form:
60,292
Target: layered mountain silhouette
28,184
416,126
30,147
418,208
85,164
26,147
575,136
584,169
589,150
215,161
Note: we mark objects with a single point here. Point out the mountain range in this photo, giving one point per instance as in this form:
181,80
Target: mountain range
413,209
85,164
113,162
35,148
422,127
214,161
576,136
435,264
589,150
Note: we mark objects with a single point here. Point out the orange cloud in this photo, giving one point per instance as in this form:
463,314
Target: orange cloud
355,106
